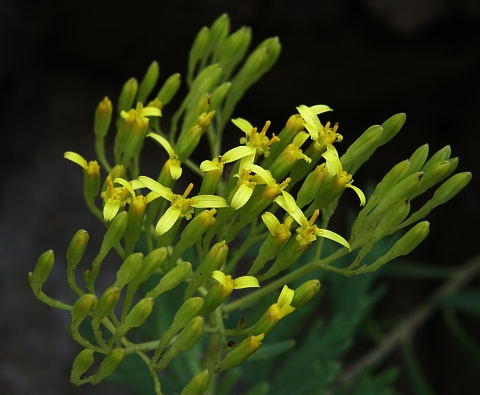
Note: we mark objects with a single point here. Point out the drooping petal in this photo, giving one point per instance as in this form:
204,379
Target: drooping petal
208,165
163,142
245,282
328,234
237,153
155,186
175,171
151,196
271,222
241,197
243,124
297,214
265,175
320,109
290,204
359,192
168,220
151,111
110,209
208,201
125,184
220,277
334,165
286,296
76,158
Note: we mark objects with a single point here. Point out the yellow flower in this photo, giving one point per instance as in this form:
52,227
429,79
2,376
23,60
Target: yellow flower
238,283
175,168
307,232
259,141
344,179
229,156
181,206
140,114
117,197
322,135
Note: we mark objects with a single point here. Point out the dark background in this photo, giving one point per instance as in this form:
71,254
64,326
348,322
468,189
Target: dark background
366,59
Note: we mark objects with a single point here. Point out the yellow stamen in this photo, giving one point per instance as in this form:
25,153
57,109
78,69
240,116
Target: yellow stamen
314,216
188,190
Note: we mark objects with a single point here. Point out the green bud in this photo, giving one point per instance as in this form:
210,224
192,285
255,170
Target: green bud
42,271
218,95
235,357
234,49
115,231
210,182
169,89
407,243
129,269
148,82
197,385
311,186
187,144
76,249
185,340
103,117
213,261
107,302
188,310
218,33
418,158
215,297
197,52
111,362
305,292
392,126
136,214
192,233
135,317
80,365
440,155
171,279
127,95
392,218
151,263
362,149
91,180
432,176
82,307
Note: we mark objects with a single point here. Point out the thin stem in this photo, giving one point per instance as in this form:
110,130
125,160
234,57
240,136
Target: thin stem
413,322
194,167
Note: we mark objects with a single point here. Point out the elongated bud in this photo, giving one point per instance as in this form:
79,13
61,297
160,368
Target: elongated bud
188,310
80,365
107,302
151,263
392,126
192,232
185,340
311,186
129,269
197,52
450,188
235,357
77,248
439,156
218,95
418,158
115,231
361,149
218,33
305,292
136,214
434,174
171,279
169,89
82,307
210,182
392,219
197,385
213,261
148,82
111,362
216,296
103,117
407,243
234,49
127,95
42,270
139,313
91,179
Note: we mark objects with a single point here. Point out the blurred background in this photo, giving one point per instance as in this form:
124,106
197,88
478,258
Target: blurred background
366,59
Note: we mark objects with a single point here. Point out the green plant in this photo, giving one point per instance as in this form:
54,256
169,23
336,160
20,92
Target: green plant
253,226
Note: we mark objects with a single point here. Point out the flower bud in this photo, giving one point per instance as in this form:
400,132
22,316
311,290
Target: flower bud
80,365
148,82
42,271
103,117
115,231
440,155
192,233
210,182
171,279
432,176
82,307
218,95
76,249
240,353
91,179
392,219
197,385
418,158
107,302
216,296
111,362
311,186
185,340
361,149
133,230
305,292
392,126
234,49
135,317
151,263
188,310
127,95
129,269
213,261
197,52
169,89
218,33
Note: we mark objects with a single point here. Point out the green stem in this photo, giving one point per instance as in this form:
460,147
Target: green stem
194,167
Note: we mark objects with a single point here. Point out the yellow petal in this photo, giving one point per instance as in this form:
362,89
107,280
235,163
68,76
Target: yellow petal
76,158
359,192
155,186
220,277
167,220
208,201
245,282
163,142
110,209
328,234
208,165
243,124
271,222
286,296
237,153
125,184
241,197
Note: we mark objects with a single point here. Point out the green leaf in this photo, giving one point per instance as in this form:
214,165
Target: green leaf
416,377
466,300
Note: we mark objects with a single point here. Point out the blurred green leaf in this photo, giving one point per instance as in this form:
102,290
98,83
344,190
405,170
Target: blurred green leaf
467,300
415,375
366,384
